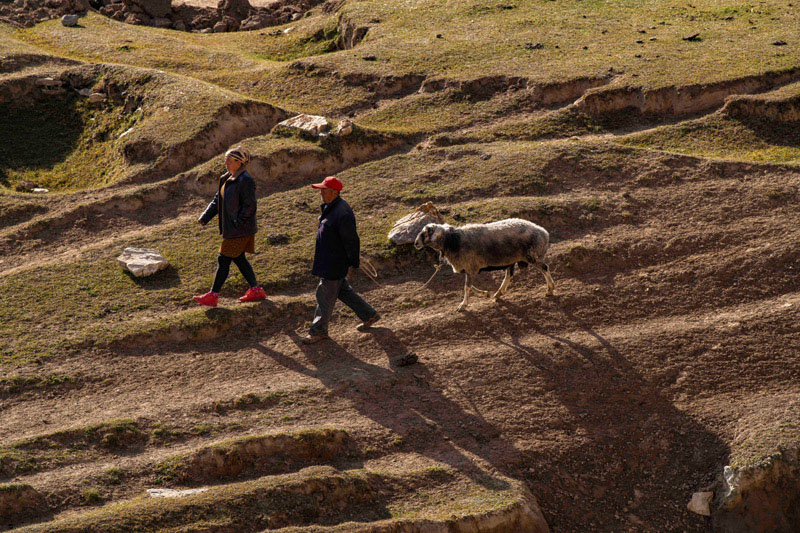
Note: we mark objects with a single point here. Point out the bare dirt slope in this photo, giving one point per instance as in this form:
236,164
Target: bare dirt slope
668,353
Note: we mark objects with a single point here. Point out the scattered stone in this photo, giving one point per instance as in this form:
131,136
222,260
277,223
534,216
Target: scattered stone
486,157
48,82
405,230
85,92
278,238
40,190
344,128
124,133
700,503
220,27
369,58
692,37
439,36
179,25
173,493
69,20
639,41
96,98
142,261
534,46
162,22
308,124
154,8
779,43
237,9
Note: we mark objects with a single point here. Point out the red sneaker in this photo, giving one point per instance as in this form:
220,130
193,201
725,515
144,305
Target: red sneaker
255,294
210,299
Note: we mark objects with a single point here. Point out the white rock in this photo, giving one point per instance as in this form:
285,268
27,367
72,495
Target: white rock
406,229
287,30
48,82
96,98
69,20
85,92
124,133
40,190
173,493
141,261
345,127
312,124
700,503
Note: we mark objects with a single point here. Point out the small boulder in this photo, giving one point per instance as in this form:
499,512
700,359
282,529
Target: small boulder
48,82
220,27
142,261
238,9
162,22
85,92
344,128
96,98
692,37
306,124
700,503
405,230
179,25
40,190
69,20
154,8
779,43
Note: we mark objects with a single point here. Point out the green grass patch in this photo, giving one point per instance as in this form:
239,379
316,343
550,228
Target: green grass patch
722,137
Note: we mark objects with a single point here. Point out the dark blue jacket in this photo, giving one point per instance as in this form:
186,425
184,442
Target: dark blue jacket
238,212
338,247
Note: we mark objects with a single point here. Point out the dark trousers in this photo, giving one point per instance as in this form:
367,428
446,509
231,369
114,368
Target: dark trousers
328,291
224,267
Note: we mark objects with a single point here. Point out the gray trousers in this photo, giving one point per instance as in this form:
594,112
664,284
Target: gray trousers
328,291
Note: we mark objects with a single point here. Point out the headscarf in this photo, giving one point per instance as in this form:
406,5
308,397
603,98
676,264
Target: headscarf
239,154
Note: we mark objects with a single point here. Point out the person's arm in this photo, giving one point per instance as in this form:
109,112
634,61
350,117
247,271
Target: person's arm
247,202
211,211
350,240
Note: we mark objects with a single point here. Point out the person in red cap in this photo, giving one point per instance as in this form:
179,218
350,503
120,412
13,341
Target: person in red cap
337,249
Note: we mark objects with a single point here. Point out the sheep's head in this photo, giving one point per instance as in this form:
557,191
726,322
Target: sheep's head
431,235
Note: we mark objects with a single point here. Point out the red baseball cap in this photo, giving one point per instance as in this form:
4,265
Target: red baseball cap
331,182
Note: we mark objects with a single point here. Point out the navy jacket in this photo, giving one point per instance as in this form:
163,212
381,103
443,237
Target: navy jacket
338,247
238,213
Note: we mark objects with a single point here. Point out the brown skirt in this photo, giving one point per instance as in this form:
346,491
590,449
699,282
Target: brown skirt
235,247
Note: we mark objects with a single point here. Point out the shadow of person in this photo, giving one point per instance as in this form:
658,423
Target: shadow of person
634,436
408,402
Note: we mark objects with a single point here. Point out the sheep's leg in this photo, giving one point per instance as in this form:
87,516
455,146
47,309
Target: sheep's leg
504,286
467,286
550,283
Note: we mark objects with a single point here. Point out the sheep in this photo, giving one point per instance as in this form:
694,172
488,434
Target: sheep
498,245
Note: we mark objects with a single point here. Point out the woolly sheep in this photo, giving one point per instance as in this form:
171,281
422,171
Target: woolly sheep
498,245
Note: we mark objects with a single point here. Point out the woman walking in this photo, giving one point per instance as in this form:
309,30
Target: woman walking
235,203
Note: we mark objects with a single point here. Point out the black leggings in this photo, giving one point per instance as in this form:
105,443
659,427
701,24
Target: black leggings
224,267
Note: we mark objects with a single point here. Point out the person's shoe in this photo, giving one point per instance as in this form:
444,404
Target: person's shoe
313,339
368,322
254,294
210,299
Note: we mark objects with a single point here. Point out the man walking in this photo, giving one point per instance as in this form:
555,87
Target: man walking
337,249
